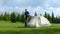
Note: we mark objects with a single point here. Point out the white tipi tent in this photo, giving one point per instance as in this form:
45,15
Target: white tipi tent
39,21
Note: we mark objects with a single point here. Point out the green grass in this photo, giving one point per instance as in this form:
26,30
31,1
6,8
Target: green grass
7,27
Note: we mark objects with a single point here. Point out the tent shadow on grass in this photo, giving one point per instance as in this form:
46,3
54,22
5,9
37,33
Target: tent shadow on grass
24,27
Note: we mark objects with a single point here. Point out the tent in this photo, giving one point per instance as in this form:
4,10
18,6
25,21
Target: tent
39,21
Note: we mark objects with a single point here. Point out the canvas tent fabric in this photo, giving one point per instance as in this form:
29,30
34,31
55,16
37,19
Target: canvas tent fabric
39,21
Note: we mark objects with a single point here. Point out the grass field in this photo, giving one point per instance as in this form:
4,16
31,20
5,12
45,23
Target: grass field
18,28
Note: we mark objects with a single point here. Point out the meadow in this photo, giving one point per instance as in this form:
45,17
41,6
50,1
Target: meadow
6,27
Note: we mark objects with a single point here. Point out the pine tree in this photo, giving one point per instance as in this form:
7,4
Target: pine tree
13,17
35,14
56,20
52,17
18,17
49,18
46,15
22,17
6,16
1,17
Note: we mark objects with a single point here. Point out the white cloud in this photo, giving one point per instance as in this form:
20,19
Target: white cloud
32,10
39,6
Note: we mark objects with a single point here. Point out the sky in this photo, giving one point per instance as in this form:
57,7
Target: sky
39,6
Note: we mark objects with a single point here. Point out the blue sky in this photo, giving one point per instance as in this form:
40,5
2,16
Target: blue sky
39,6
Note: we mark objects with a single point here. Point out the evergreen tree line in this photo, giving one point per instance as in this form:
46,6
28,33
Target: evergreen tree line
52,18
13,17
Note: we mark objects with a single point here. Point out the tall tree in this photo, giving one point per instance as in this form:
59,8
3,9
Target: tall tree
6,16
49,18
13,17
22,17
56,20
18,17
35,14
1,17
46,15
52,17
